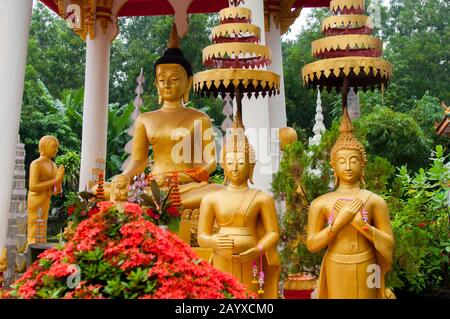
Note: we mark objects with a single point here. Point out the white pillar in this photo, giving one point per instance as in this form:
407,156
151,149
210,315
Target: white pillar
277,104
96,91
15,17
95,109
256,117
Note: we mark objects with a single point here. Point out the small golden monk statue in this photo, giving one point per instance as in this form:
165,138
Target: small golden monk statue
3,261
45,180
354,223
245,244
181,137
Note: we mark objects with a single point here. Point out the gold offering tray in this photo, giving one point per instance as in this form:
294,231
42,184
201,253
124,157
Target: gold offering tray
344,42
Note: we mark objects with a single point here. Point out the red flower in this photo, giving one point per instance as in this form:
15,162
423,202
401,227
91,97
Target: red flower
422,225
61,270
104,206
70,210
173,211
93,211
53,254
152,214
132,209
27,290
125,244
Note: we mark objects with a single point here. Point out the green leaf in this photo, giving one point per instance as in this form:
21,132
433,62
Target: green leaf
156,192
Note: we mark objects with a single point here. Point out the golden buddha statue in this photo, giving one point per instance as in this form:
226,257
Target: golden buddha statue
181,137
247,234
45,180
354,223
3,261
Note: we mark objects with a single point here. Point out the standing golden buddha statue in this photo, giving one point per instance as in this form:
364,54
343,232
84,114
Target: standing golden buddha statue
45,180
354,223
245,244
182,138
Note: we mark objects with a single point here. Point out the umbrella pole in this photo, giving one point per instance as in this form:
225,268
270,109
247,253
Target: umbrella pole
345,90
239,97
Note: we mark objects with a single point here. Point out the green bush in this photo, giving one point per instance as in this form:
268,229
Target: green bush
379,173
396,137
298,182
420,220
71,161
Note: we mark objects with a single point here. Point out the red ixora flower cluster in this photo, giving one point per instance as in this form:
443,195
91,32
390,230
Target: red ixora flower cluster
118,253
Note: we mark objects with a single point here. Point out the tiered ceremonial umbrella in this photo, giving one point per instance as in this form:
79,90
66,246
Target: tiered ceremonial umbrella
349,55
234,60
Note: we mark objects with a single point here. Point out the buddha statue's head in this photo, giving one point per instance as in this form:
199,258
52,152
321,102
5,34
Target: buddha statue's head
237,157
173,73
48,146
348,157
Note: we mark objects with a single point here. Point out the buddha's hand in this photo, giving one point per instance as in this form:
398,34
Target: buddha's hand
349,211
358,220
246,256
59,174
222,242
184,178
119,183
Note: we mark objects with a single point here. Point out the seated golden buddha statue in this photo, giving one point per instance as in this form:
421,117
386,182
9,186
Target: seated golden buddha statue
247,234
181,137
354,223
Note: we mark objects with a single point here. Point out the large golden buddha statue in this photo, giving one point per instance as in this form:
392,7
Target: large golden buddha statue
354,223
181,137
247,234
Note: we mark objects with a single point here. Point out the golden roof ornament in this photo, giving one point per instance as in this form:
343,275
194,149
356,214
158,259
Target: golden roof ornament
350,56
234,60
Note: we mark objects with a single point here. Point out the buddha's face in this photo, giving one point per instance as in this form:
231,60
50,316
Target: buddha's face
236,168
51,148
348,166
172,82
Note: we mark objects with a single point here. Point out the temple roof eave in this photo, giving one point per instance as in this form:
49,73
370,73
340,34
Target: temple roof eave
163,7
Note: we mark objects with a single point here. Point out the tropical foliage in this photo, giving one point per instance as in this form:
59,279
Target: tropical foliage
420,219
159,207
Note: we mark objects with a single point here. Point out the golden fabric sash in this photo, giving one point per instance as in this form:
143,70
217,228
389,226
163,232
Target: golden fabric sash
351,259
